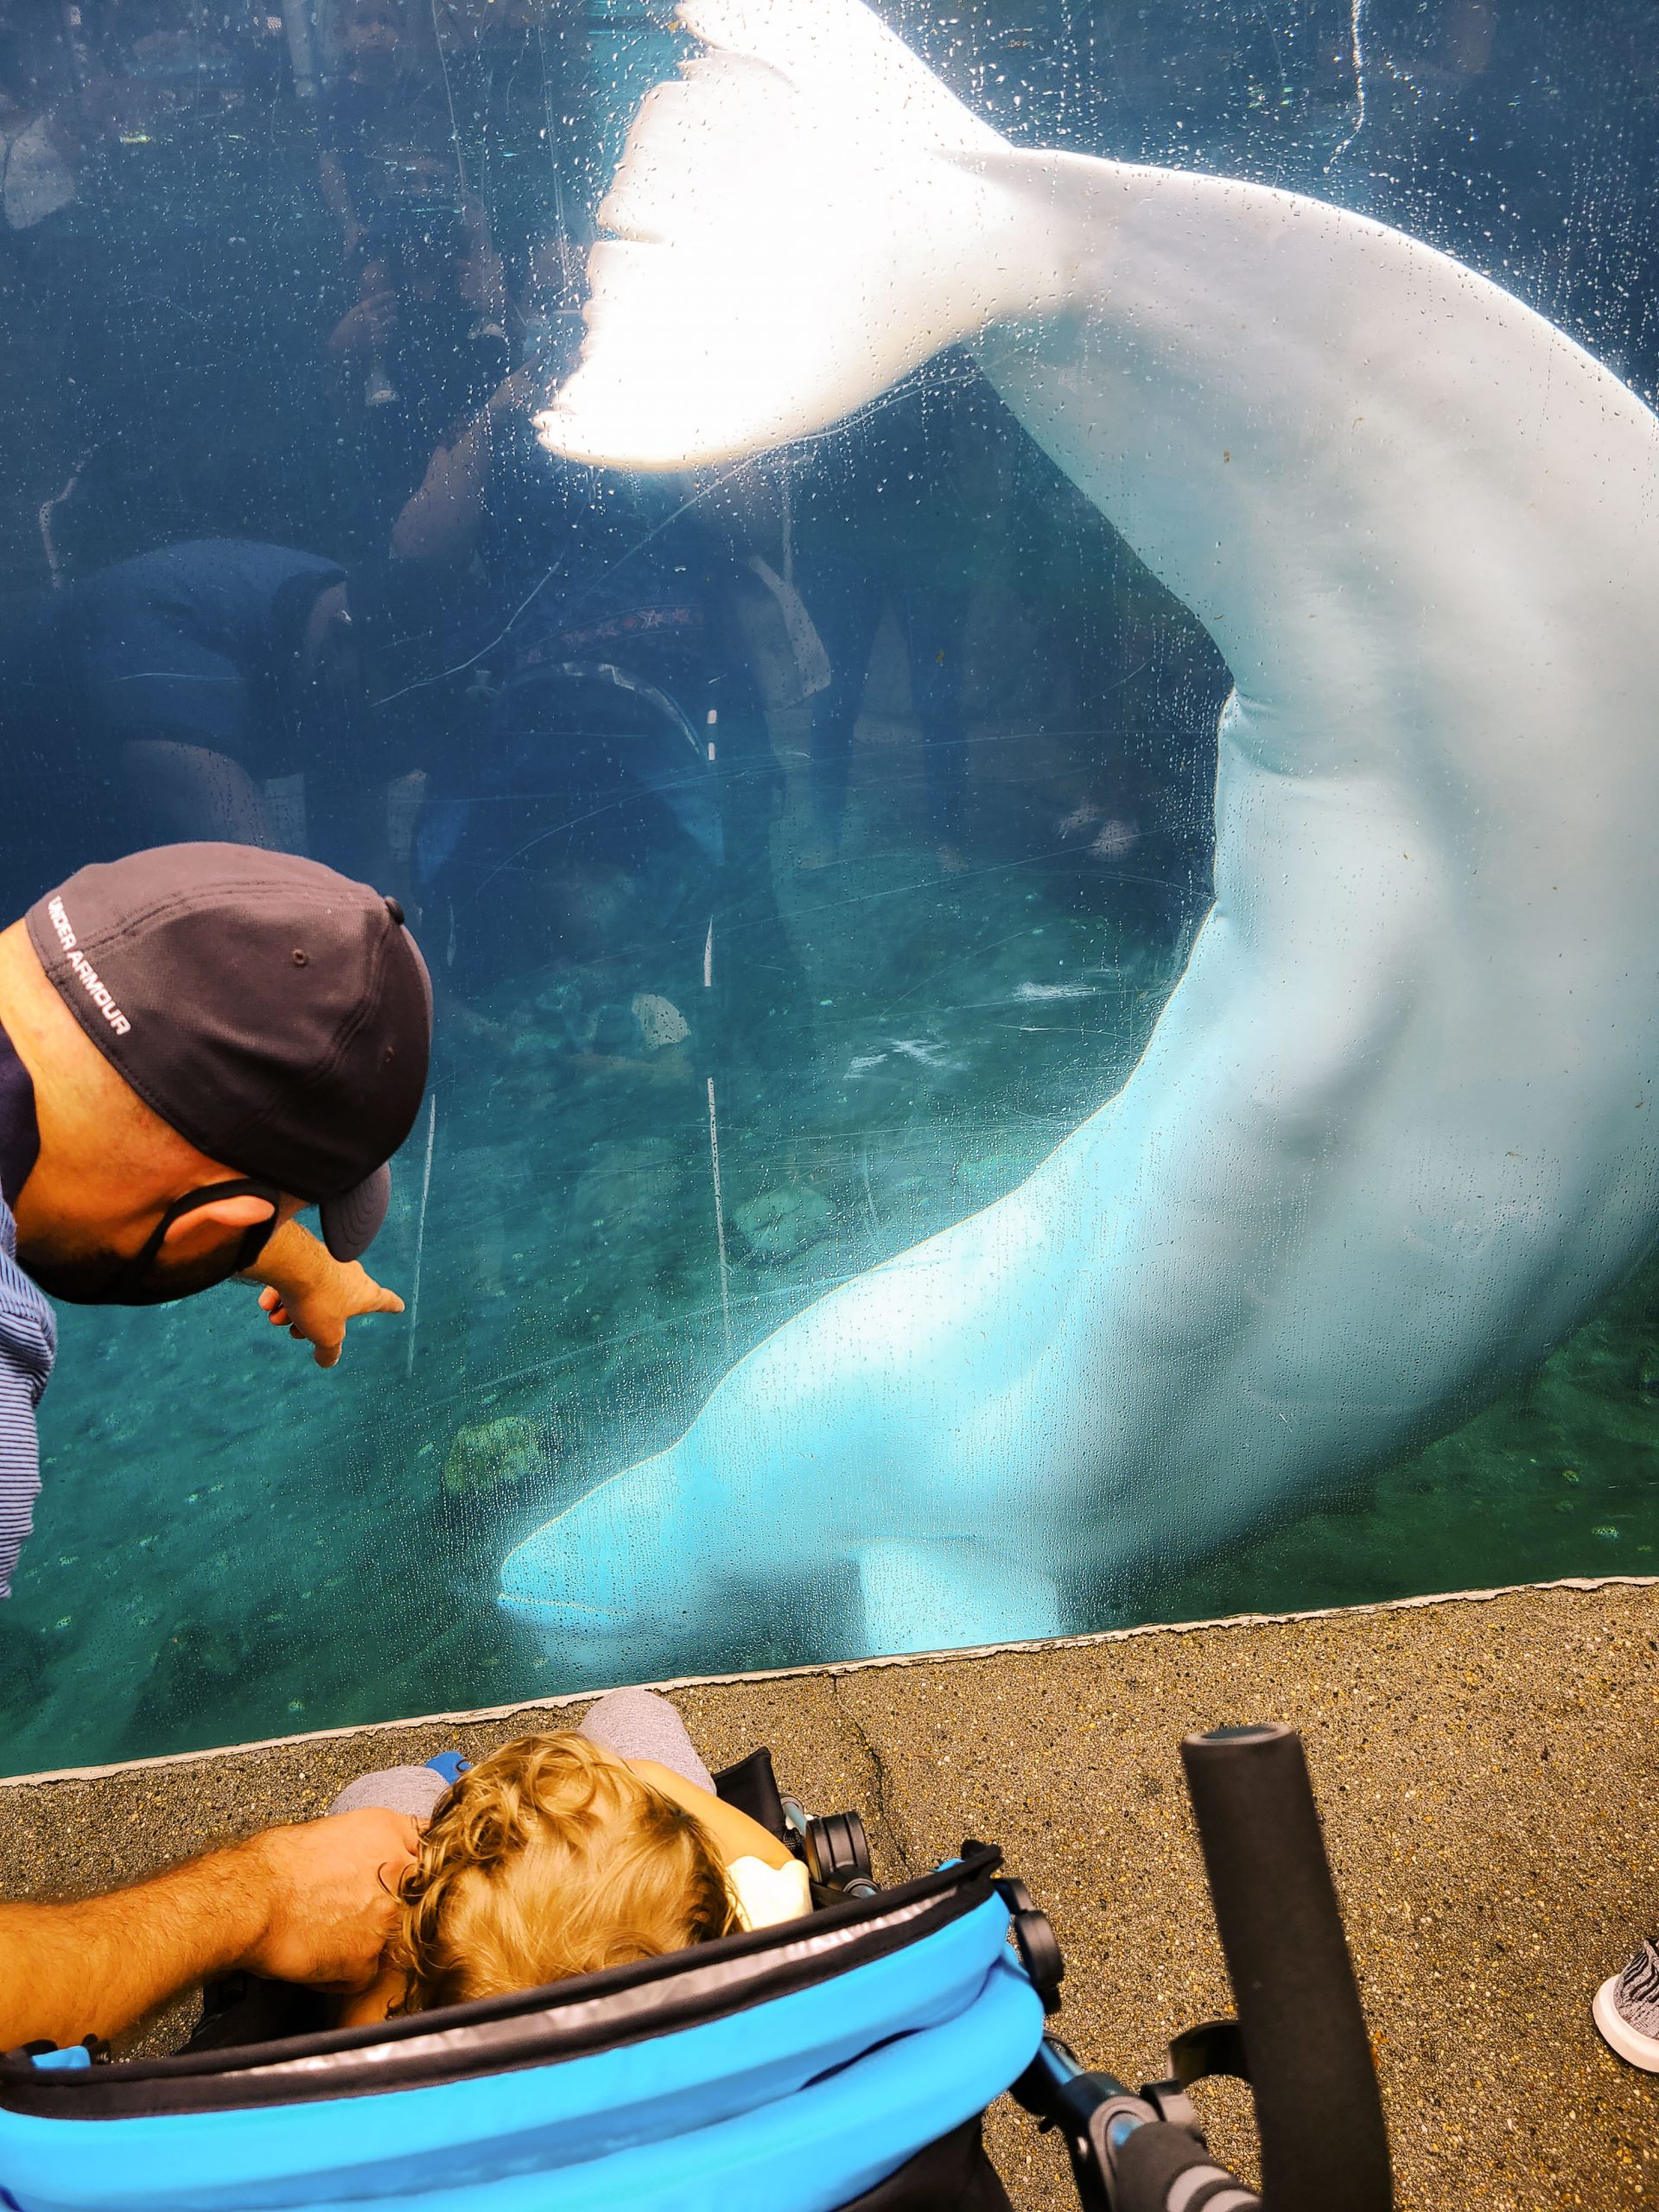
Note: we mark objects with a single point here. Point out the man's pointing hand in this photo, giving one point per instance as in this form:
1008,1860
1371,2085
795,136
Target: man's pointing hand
312,1295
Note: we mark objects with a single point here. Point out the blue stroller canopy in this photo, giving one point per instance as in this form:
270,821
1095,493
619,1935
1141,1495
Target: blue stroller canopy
788,2071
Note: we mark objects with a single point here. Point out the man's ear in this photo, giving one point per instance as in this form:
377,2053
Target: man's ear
203,1227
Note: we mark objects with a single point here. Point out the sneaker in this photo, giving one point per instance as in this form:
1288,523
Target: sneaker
1626,2010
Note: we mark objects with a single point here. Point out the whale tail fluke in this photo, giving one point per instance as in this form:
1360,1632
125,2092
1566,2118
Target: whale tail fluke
841,55
799,219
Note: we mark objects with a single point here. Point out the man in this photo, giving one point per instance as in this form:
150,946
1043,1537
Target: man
196,1042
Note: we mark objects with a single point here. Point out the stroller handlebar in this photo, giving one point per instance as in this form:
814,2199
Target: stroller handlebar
1303,2033
1162,2166
1300,2037
1127,2154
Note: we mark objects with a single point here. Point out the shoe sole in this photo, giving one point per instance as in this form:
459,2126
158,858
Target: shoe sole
1617,2033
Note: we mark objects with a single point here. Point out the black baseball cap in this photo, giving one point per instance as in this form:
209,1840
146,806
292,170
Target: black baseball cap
274,1013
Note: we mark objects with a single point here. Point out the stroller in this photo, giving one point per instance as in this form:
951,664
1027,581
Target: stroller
841,2062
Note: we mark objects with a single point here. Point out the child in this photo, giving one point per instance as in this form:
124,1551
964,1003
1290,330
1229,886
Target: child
564,1854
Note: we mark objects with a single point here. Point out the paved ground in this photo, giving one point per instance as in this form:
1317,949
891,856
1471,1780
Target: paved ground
1487,1771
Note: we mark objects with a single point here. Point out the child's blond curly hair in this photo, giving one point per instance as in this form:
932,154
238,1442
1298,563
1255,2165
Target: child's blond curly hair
549,1859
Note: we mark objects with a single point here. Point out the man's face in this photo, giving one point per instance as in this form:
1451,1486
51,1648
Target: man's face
330,658
197,1239
84,1273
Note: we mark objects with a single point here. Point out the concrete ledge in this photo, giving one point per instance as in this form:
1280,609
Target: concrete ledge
1487,1766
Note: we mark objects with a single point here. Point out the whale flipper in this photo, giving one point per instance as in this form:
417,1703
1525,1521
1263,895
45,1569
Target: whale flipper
932,1597
1391,1138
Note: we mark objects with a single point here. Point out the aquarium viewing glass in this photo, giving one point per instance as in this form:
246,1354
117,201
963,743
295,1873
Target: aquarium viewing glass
806,841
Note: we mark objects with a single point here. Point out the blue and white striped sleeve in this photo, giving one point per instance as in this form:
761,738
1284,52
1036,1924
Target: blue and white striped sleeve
29,1344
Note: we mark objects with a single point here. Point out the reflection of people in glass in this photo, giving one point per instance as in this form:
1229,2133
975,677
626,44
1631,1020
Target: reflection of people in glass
174,63
46,145
379,108
179,44
1139,686
598,693
623,785
419,352
890,516
38,151
184,694
518,70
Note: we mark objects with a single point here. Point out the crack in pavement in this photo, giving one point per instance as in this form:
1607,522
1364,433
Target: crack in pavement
882,1819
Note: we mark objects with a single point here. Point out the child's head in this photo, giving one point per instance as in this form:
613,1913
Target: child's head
550,1858
371,35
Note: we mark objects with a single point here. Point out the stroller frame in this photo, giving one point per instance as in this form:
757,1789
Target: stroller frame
839,2062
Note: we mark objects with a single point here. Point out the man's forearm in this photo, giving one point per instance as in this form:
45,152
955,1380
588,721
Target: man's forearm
293,1259
312,1902
93,1967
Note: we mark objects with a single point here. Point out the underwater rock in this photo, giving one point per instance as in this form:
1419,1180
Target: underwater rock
661,1023
780,1223
492,1452
537,1048
562,1002
647,1024
631,1189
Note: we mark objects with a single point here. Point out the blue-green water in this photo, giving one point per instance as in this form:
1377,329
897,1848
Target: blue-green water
898,1008
232,1545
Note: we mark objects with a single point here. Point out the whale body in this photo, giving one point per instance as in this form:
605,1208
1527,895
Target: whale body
1392,1137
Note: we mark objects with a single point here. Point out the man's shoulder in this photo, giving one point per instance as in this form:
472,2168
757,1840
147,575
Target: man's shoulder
28,1328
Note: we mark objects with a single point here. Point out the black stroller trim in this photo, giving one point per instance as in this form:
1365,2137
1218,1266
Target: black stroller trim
569,2019
752,1786
951,2175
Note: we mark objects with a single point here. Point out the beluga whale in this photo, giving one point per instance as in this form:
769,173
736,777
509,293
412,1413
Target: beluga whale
1392,1135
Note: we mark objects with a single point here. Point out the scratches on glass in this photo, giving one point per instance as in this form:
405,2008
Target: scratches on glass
1358,61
